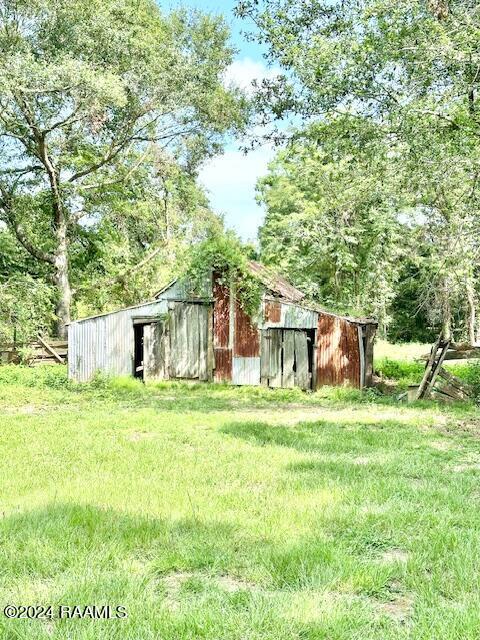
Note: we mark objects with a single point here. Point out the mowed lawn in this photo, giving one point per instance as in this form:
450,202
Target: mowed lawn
216,512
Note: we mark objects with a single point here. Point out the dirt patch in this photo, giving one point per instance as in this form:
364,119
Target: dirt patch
174,581
441,445
467,466
400,608
469,463
27,410
394,555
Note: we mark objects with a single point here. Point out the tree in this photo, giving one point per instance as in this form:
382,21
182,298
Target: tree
140,237
331,221
86,87
410,70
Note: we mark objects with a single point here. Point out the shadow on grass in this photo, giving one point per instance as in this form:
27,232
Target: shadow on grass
70,553
326,436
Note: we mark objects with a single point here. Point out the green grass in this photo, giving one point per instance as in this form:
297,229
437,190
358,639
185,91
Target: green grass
405,351
236,513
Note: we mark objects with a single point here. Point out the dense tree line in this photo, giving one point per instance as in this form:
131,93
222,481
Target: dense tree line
108,108
376,197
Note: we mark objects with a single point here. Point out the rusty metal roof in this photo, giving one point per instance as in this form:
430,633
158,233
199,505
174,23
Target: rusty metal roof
275,282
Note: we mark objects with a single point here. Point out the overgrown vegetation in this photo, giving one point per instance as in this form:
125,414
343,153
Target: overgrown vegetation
223,256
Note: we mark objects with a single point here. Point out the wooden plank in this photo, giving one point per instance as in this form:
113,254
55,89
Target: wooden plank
275,358
428,369
264,356
362,356
454,381
51,350
436,368
192,340
203,313
174,355
302,375
210,339
288,358
450,390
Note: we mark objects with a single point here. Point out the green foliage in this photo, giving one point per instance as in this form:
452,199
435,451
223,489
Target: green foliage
402,371
90,90
330,224
26,308
223,254
405,71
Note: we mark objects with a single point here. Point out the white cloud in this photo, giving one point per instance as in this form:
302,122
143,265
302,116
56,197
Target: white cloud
230,180
241,73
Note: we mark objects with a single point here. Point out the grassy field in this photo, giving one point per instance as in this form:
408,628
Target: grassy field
236,513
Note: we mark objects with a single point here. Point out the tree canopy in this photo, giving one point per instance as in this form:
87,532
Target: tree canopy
409,72
90,93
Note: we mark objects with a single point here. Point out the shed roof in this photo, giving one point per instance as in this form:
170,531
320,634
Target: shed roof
274,282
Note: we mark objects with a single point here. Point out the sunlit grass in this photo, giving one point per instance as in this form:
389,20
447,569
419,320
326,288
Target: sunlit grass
235,513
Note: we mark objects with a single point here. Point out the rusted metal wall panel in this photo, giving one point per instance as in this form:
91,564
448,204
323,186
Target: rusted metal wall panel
246,371
221,315
337,352
223,365
246,342
105,343
273,311
221,331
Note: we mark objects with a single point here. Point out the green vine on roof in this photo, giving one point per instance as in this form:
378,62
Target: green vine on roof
225,255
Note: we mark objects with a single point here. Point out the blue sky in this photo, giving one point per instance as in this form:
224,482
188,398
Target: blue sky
230,178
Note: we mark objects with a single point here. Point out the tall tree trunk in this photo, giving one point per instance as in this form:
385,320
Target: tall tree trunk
62,282
471,311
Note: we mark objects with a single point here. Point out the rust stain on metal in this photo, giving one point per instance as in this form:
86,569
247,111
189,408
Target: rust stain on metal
273,311
246,342
221,314
223,365
338,356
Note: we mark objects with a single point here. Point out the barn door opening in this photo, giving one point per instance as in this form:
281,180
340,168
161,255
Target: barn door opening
138,351
189,341
287,358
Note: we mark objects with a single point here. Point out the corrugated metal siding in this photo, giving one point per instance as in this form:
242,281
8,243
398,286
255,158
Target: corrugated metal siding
273,311
223,365
280,315
246,371
337,351
183,289
221,331
294,317
221,315
105,343
246,341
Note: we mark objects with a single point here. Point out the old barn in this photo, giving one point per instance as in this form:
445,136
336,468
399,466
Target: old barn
209,337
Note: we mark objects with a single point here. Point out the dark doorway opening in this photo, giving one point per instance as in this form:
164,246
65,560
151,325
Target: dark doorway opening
138,351
311,356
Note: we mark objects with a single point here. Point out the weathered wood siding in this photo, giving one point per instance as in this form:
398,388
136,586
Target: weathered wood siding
337,352
284,359
188,341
